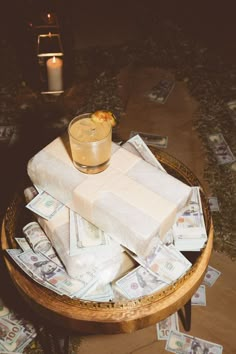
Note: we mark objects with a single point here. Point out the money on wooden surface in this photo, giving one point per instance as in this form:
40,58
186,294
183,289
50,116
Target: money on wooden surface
10,332
151,139
165,326
139,282
160,92
23,243
221,149
182,343
199,298
211,276
213,204
44,205
27,332
99,293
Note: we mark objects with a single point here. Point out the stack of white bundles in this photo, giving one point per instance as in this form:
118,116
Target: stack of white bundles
108,257
132,200
189,229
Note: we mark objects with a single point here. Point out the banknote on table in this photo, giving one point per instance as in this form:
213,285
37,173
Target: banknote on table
49,271
84,234
143,151
10,332
165,326
23,243
182,343
199,298
13,253
211,276
161,91
6,133
165,262
151,139
27,333
101,293
221,149
44,205
213,204
139,282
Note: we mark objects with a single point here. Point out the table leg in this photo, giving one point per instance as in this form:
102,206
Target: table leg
185,316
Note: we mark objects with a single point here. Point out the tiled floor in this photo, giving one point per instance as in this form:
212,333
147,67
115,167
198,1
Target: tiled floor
111,24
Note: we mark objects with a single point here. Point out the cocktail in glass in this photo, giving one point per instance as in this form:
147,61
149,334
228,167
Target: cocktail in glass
90,143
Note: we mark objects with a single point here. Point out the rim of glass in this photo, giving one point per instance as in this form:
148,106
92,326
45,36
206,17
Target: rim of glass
86,115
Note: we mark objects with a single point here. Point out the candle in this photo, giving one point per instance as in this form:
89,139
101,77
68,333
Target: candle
54,71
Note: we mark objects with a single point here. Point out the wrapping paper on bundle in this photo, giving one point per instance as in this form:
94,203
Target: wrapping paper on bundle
131,200
111,260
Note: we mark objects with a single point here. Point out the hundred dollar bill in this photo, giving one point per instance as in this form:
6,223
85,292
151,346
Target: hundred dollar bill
165,326
161,91
9,334
213,203
23,243
84,234
199,298
182,343
13,253
49,271
39,241
28,331
141,149
151,139
139,282
211,276
189,227
221,149
99,293
44,205
164,261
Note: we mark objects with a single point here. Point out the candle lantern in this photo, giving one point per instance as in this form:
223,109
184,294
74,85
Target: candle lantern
50,60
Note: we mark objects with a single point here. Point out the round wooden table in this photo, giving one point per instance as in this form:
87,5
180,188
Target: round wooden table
88,317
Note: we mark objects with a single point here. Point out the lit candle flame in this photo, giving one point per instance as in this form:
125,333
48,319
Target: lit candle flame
49,16
54,59
49,35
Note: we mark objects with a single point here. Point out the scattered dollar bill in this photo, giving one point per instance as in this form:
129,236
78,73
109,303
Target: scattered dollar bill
27,332
44,205
141,149
39,241
213,203
49,271
30,193
211,276
23,243
165,326
7,132
101,292
189,227
10,332
151,139
166,262
160,92
199,298
84,234
13,253
221,149
139,282
182,343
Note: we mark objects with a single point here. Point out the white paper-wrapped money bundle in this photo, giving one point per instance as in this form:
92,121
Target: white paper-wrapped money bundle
131,200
